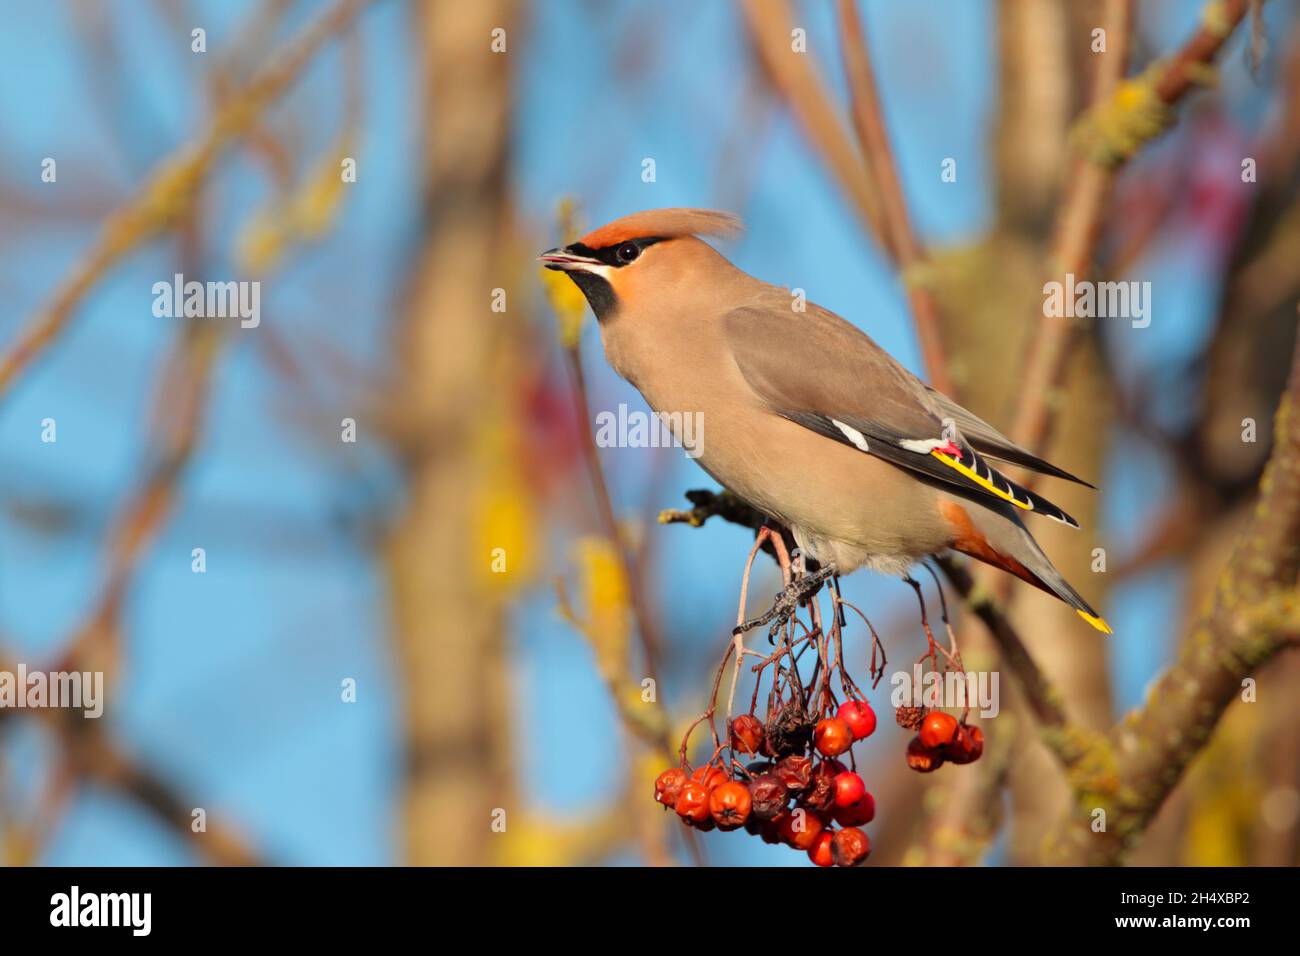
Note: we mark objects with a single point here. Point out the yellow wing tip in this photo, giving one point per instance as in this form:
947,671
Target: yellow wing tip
982,482
1097,622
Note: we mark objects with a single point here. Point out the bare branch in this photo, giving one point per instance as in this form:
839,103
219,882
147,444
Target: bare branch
168,193
1122,119
770,23
1255,614
874,138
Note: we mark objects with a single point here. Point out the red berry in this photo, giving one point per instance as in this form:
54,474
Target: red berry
800,828
938,729
858,814
820,851
693,802
859,716
729,804
967,746
668,786
833,736
709,777
849,789
747,734
922,758
850,847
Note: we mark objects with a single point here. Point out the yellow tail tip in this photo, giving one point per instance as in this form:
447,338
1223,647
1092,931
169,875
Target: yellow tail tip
1097,622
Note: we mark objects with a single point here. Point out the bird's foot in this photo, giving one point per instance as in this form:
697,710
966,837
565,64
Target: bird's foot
787,602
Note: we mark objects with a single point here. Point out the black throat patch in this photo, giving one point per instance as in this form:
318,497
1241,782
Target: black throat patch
599,293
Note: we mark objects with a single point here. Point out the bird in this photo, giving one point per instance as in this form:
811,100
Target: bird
806,418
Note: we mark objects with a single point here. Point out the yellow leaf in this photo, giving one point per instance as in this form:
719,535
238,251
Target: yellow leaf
567,300
568,303
505,532
604,602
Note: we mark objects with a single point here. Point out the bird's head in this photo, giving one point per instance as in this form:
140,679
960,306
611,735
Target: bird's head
655,248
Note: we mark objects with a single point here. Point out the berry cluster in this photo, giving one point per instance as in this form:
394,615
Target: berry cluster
939,738
800,795
801,787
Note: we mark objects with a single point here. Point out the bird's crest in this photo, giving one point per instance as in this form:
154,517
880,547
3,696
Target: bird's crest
663,224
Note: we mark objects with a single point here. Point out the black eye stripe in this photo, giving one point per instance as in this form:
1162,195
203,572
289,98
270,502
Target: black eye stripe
609,254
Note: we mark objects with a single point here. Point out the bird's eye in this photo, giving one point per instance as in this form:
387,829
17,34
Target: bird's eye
628,251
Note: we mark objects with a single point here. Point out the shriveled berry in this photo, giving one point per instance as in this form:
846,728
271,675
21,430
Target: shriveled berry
922,758
800,828
770,830
966,746
747,734
859,716
849,789
820,851
850,847
938,729
833,736
729,804
668,786
795,772
820,796
788,730
857,814
693,802
909,718
768,796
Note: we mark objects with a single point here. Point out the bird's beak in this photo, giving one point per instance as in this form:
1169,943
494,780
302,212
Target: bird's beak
566,261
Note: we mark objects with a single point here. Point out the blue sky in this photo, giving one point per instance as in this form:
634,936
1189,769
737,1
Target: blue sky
233,682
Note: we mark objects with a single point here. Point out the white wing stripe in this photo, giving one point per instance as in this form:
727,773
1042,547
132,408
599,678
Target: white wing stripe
852,434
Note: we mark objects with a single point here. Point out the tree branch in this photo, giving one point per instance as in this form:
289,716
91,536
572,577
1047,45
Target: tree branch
874,139
770,23
1124,116
1254,615
168,193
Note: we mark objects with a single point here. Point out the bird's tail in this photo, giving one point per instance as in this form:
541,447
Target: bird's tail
1000,539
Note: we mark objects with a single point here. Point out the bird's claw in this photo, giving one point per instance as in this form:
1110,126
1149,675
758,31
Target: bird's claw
786,602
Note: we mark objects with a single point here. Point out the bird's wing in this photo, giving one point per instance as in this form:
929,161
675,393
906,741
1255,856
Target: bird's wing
825,374
991,442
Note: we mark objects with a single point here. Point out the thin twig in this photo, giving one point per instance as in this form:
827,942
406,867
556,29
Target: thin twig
1078,219
1255,615
770,23
609,523
168,194
869,122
